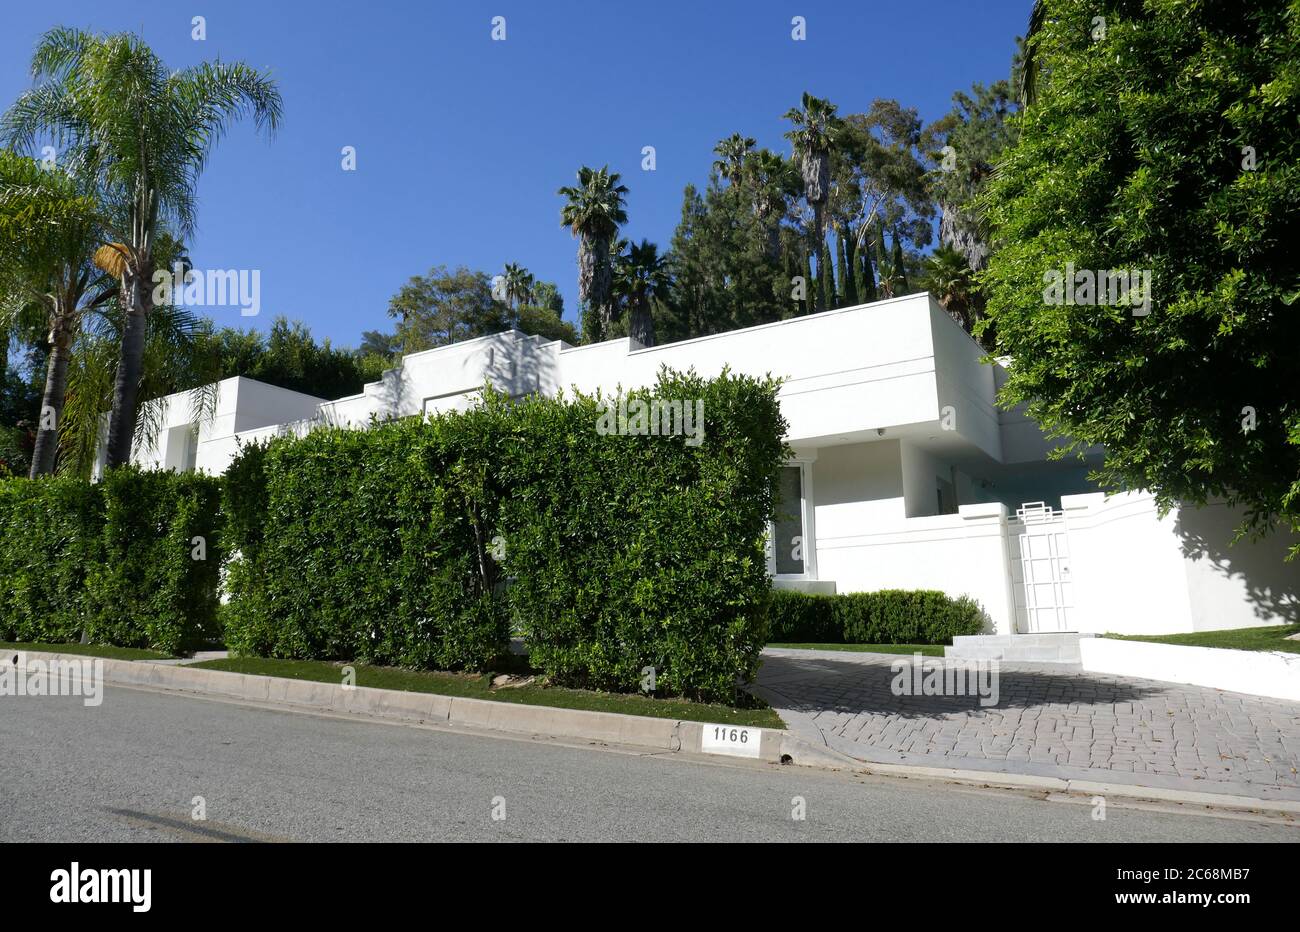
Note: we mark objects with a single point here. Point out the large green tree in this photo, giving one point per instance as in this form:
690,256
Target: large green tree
115,110
444,307
1162,138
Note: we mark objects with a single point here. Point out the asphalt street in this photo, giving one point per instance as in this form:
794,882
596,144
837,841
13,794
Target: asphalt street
138,768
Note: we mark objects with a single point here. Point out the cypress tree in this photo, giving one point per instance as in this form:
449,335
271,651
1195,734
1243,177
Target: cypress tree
899,269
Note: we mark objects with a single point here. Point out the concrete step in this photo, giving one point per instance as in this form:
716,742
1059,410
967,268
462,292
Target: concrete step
1060,647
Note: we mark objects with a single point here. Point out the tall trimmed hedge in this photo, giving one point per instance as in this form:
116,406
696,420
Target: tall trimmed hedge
116,560
887,616
421,542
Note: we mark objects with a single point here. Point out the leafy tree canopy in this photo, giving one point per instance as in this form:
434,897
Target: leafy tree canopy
1163,138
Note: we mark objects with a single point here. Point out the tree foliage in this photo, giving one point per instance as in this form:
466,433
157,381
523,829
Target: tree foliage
1164,142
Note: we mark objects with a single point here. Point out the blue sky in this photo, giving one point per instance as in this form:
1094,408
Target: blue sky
462,141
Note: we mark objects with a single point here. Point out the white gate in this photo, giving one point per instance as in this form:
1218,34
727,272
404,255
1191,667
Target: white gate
1040,569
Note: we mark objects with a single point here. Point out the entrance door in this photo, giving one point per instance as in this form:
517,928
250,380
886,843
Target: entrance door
1041,569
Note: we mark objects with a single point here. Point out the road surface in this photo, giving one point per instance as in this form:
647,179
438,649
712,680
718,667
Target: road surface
133,769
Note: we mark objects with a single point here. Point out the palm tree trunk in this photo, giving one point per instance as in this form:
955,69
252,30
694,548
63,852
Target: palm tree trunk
130,366
642,326
56,385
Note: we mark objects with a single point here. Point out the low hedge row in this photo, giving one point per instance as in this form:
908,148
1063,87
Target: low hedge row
889,616
132,561
614,548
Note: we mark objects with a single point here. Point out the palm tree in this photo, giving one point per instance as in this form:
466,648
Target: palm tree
517,283
732,152
772,181
594,210
50,227
949,280
115,110
816,128
640,275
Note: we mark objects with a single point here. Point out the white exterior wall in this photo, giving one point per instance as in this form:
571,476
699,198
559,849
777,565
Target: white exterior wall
1138,573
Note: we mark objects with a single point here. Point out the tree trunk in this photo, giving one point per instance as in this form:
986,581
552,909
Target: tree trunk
56,385
130,366
642,326
819,244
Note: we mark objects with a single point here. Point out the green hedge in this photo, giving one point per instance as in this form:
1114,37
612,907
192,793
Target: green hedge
889,616
422,542
115,560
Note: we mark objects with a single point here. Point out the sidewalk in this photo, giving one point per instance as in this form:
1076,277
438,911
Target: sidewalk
1048,722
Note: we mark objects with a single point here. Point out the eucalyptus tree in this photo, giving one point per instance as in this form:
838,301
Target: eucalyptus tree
816,130
640,275
114,109
594,209
50,226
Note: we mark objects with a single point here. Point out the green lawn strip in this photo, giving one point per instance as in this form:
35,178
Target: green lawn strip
929,650
1269,638
478,686
107,651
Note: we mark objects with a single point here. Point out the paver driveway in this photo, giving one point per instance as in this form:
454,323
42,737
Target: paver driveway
1048,721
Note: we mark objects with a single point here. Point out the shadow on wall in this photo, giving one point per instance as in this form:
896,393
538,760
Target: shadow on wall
515,369
1272,584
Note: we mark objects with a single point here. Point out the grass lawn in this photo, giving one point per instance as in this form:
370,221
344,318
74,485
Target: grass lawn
929,650
1270,638
89,650
479,686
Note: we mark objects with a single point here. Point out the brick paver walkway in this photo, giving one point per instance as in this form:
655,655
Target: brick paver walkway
1048,721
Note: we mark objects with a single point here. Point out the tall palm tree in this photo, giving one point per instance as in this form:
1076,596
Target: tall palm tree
594,210
731,154
642,274
1027,86
816,128
50,227
115,110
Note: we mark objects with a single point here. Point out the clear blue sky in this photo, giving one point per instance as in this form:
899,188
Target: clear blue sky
462,141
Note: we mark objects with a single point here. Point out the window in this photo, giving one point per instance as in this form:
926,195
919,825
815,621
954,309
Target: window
790,535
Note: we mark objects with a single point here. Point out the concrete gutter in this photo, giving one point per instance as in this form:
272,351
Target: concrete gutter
611,728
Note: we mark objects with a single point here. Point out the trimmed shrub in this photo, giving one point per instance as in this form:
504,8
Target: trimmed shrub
888,616
368,545
633,551
156,580
420,542
117,560
797,617
50,532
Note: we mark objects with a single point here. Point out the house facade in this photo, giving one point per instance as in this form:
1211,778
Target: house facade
904,474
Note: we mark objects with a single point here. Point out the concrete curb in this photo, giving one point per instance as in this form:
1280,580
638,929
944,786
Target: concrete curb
804,753
655,734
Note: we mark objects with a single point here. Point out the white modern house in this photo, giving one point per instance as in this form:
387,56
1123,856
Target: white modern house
905,474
